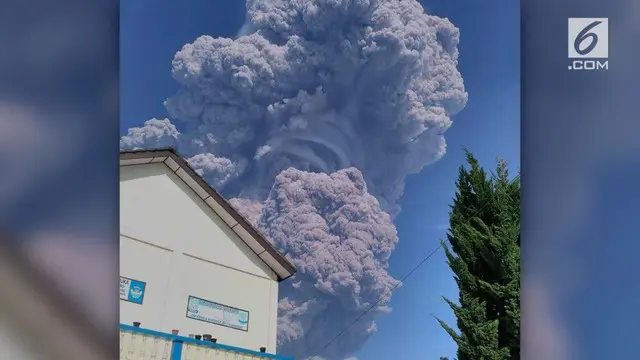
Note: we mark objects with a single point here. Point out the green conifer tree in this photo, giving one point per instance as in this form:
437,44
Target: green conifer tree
483,251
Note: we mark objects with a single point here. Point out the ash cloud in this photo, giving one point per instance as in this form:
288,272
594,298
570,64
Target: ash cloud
310,120
249,209
215,170
340,241
153,134
321,86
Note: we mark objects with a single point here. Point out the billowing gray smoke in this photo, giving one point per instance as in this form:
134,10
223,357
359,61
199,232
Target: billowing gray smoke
323,85
340,241
308,92
153,135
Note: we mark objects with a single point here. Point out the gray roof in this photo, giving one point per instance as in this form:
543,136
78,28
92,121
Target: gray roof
245,231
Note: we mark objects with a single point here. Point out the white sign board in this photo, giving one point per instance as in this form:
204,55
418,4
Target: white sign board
208,311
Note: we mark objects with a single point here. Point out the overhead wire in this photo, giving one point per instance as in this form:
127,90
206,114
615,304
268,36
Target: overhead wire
384,296
388,292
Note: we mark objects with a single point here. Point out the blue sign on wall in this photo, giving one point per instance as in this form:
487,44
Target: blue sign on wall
132,290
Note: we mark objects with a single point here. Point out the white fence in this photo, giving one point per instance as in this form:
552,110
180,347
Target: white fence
144,344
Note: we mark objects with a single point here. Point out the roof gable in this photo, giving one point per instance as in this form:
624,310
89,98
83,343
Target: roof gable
236,222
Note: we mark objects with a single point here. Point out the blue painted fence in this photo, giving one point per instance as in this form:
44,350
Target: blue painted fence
144,344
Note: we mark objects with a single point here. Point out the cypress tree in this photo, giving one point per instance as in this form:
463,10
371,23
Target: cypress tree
483,251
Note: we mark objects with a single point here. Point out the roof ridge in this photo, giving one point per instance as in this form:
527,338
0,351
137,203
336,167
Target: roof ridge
181,163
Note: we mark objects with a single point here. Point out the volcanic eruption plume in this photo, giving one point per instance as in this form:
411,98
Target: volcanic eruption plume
311,119
340,241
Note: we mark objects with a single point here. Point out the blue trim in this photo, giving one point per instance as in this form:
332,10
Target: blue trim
176,350
185,340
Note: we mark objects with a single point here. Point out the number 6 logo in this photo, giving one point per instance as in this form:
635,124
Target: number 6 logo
584,35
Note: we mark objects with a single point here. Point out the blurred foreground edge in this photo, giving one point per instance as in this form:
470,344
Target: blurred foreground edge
41,317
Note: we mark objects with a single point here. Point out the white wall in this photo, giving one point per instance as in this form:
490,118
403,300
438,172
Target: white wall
174,242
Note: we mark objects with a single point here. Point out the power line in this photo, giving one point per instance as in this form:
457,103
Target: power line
381,298
413,270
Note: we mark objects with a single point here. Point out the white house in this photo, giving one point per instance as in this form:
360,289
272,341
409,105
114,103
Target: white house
189,261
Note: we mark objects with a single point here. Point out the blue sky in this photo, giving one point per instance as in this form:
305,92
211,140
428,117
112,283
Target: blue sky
152,31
